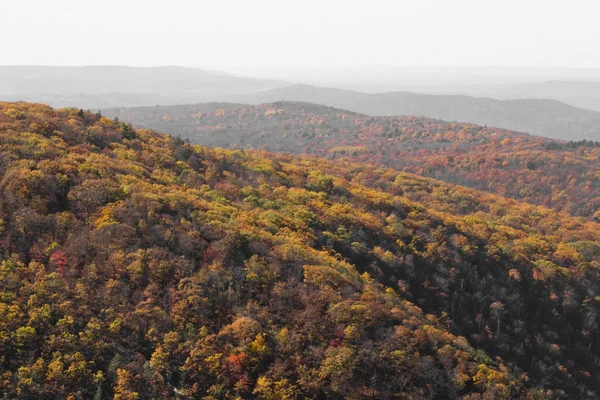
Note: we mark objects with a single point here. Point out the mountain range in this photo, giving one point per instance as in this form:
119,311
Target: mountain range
583,94
109,86
578,87
549,118
529,106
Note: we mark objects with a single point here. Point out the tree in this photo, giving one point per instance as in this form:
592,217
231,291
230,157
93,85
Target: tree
497,310
128,131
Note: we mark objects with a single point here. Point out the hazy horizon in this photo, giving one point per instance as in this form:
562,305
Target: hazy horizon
217,68
236,34
324,199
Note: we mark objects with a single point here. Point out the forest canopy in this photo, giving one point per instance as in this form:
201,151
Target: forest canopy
561,175
136,265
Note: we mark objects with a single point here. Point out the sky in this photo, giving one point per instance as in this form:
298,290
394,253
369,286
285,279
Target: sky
307,33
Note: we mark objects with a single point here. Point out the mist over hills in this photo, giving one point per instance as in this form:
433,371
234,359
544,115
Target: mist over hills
97,87
549,118
109,86
583,94
380,75
578,87
314,200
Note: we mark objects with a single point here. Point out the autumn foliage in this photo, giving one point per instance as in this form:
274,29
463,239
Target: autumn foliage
135,265
561,175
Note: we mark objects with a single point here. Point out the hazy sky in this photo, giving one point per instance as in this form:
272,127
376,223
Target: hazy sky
301,33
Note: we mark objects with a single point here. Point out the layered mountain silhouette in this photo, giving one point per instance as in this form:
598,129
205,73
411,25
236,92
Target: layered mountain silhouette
116,86
549,118
109,86
583,94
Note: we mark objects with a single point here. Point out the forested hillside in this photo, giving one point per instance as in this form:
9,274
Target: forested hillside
560,175
135,265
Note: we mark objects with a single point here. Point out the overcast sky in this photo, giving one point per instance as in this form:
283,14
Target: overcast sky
330,33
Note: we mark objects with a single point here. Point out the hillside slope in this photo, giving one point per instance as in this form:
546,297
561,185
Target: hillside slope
563,176
134,264
549,118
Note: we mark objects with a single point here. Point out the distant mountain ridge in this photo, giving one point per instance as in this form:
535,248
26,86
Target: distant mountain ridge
582,94
94,87
549,118
109,86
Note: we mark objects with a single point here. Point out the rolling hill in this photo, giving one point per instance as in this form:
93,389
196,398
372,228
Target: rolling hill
99,87
583,94
579,87
110,86
135,265
549,118
561,175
